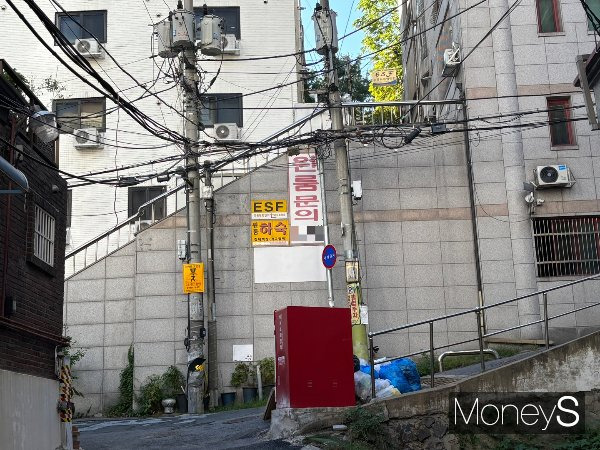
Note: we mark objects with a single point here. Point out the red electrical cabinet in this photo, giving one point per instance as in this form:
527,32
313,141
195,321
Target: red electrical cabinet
314,366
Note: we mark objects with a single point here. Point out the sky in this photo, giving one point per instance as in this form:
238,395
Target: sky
345,15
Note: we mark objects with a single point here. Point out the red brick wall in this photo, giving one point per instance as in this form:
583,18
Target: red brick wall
37,288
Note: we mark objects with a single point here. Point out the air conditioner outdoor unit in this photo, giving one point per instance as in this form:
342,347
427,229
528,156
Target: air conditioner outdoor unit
553,176
231,46
227,132
89,48
88,138
451,62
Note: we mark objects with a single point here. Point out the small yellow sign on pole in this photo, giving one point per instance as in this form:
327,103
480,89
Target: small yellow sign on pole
193,278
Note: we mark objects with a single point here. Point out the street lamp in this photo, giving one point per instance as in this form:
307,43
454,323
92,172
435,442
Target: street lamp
43,124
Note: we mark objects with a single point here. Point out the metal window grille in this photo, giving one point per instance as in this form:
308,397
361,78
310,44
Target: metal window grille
43,239
435,11
567,246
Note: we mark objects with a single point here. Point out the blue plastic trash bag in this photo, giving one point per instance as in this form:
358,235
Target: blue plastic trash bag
403,375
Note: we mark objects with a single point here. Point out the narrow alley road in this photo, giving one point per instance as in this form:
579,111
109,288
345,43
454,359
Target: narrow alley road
243,428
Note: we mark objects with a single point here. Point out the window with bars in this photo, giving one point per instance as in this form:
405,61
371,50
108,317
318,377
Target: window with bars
567,246
43,236
435,11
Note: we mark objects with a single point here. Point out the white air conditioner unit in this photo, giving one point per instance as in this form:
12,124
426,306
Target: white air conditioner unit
89,48
451,62
227,132
88,138
553,176
231,46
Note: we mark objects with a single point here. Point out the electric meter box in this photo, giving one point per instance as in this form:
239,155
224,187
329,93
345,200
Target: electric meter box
209,36
313,357
325,31
184,32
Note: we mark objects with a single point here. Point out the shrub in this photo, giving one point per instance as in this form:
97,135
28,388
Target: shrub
124,406
267,370
244,374
172,382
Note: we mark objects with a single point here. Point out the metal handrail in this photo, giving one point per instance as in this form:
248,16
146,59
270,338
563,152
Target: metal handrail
123,223
480,336
488,351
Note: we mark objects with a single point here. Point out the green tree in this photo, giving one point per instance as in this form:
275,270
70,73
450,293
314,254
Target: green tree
351,80
378,36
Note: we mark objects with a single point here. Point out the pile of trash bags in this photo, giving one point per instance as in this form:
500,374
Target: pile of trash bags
391,379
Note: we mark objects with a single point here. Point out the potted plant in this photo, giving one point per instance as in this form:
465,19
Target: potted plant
172,384
244,376
267,374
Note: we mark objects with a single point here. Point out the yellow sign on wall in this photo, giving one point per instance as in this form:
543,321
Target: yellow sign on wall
384,77
193,278
269,209
270,232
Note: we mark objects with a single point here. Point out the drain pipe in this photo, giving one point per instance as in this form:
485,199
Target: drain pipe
473,208
7,224
209,204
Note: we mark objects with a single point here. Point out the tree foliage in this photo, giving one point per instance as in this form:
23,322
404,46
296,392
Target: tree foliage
352,82
379,35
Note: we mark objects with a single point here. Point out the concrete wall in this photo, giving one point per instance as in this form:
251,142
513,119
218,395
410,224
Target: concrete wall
28,415
266,29
571,367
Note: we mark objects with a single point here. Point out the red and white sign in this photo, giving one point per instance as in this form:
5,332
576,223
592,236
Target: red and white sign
306,217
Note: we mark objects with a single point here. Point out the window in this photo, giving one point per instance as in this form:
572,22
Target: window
43,236
594,6
435,11
559,115
93,21
221,108
548,16
74,114
567,246
140,195
230,16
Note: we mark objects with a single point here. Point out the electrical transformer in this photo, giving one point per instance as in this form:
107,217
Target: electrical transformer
210,29
325,30
184,31
164,39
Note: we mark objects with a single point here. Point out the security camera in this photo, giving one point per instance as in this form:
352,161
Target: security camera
55,189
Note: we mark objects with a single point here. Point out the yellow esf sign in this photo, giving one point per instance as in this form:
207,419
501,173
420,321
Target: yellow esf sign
193,278
269,209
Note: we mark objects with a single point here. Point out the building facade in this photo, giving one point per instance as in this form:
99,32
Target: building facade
32,240
255,29
515,70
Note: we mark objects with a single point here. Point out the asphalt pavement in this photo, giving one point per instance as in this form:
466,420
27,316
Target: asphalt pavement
241,429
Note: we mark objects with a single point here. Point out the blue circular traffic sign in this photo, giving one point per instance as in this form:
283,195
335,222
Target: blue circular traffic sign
329,256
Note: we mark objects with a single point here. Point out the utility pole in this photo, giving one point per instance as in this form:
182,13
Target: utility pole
326,40
209,203
196,332
321,169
